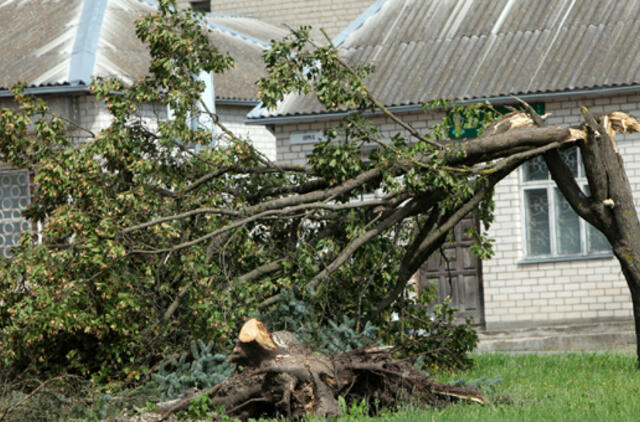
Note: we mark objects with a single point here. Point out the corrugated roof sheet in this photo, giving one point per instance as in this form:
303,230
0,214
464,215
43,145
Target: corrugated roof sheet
36,40
466,49
39,36
250,26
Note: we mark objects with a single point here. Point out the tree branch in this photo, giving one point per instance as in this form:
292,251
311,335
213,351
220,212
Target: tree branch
239,169
593,159
262,270
181,216
561,174
269,213
431,241
500,144
318,195
381,106
306,187
395,217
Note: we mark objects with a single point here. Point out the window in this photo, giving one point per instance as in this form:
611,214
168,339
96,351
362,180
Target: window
552,228
14,197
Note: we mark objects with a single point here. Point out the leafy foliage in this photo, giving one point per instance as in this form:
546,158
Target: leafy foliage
423,329
148,243
434,337
299,317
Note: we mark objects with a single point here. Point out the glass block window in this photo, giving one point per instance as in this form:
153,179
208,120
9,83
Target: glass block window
552,228
14,197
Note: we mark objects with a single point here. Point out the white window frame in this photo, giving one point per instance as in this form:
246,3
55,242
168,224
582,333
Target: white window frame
550,187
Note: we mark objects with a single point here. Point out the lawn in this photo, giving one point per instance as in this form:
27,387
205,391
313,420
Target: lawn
539,387
543,387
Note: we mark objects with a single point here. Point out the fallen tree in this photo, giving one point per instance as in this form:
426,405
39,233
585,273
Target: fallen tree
148,243
280,377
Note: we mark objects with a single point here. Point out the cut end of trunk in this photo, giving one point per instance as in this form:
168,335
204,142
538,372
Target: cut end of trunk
254,345
254,330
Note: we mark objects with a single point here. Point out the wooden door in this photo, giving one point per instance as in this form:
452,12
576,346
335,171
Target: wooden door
457,274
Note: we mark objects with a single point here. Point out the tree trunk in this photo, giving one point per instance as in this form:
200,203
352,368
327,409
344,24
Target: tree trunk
279,377
631,274
610,206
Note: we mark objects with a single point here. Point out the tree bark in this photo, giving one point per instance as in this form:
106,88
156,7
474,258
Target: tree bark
279,377
610,207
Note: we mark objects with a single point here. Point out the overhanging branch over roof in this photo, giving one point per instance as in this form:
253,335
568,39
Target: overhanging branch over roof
534,97
476,49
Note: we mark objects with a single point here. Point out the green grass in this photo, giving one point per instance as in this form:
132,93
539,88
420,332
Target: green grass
543,387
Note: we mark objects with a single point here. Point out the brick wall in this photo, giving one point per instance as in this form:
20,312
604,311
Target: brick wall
297,153
92,115
332,15
260,136
517,294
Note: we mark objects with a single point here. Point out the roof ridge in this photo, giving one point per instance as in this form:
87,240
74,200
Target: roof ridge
358,22
239,34
83,55
222,28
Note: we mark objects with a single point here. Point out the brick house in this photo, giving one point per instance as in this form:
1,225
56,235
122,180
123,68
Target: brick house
331,15
550,267
57,47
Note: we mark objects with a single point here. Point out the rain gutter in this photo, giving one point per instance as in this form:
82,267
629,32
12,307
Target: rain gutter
49,90
497,100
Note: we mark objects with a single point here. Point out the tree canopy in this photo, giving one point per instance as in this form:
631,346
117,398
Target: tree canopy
148,242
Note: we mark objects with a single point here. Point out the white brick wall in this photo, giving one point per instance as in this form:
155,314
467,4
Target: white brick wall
517,294
297,153
332,15
91,114
233,118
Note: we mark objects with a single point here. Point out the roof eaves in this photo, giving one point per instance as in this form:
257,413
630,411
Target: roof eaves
77,88
81,88
496,100
256,112
238,102
83,56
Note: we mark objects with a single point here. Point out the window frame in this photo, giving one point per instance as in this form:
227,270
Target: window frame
550,187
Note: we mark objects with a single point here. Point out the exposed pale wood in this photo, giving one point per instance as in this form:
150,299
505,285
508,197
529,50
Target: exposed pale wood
254,330
254,344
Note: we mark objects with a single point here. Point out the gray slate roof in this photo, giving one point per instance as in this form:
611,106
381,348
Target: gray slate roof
472,49
67,42
249,27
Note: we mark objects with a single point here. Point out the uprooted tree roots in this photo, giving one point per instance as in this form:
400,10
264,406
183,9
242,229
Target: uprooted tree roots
281,377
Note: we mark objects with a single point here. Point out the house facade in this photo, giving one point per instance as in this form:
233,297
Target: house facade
331,15
550,267
57,47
